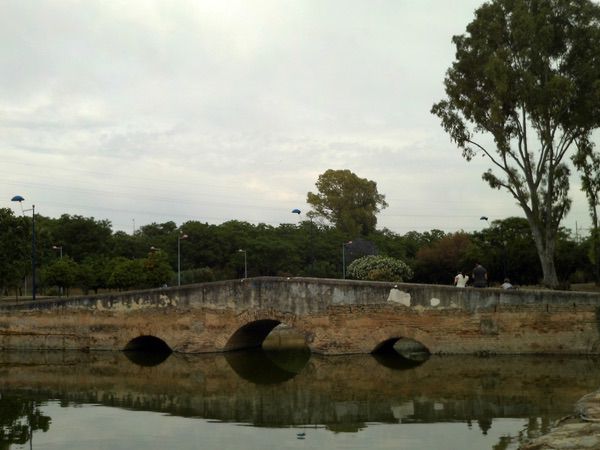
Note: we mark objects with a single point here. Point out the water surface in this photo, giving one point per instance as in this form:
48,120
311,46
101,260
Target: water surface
258,400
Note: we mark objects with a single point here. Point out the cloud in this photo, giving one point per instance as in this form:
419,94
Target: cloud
213,110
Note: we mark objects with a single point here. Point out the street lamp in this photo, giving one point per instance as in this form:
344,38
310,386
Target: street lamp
58,247
311,237
18,198
179,238
245,262
344,258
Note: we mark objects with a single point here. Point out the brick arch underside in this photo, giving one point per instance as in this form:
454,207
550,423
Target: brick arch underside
323,333
251,335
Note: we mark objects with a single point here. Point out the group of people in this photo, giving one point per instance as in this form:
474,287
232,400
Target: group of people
479,278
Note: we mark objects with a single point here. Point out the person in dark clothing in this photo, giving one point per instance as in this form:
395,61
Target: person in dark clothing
479,276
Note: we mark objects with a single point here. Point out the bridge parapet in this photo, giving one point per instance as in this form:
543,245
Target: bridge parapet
335,316
312,295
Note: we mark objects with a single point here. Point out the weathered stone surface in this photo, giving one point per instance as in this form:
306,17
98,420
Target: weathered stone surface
334,316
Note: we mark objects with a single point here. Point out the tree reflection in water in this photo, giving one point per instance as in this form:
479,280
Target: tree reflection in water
19,417
346,393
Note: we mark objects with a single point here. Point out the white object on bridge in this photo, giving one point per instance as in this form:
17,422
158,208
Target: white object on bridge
398,296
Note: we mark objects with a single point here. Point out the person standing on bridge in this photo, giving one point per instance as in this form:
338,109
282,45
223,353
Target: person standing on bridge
480,276
461,279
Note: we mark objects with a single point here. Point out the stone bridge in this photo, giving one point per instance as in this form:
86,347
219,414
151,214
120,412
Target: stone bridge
333,316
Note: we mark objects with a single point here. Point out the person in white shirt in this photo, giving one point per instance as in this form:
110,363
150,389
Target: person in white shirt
461,279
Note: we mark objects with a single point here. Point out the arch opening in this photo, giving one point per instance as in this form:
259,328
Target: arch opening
267,367
267,352
251,335
400,353
147,351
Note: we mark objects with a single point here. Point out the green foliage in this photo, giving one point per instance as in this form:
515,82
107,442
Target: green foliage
80,237
347,201
526,71
202,275
63,272
156,269
379,268
505,248
588,163
15,242
94,273
440,260
127,274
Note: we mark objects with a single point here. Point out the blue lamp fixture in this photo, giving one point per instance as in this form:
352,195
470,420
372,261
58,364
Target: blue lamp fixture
20,199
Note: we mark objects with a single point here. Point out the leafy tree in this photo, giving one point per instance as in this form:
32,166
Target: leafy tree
439,261
413,241
349,202
128,246
94,273
507,249
201,275
527,75
156,269
15,238
79,236
379,268
588,163
62,272
127,274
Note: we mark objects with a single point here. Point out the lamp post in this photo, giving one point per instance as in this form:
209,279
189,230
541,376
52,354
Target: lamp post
58,247
18,198
311,238
179,238
344,258
245,262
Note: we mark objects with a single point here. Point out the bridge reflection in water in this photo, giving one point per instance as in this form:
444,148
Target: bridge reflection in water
278,389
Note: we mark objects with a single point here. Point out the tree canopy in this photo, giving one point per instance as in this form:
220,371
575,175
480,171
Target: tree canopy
527,75
347,201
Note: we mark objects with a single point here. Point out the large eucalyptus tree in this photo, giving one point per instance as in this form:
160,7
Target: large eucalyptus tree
524,91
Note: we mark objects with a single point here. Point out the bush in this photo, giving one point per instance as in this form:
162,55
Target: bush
379,268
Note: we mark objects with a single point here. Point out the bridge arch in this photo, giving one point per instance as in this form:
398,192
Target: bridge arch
251,335
147,343
404,346
147,350
270,334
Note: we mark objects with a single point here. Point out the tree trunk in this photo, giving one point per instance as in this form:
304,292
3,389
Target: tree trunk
549,270
545,247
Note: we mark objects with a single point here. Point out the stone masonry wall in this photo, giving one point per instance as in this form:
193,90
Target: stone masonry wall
335,317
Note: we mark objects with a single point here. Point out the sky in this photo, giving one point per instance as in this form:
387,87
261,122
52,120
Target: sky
142,111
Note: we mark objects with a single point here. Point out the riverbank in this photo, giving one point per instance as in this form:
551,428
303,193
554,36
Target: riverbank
580,431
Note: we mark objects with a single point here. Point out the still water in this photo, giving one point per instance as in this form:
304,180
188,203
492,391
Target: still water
258,400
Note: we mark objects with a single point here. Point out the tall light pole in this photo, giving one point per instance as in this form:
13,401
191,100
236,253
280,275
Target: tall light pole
179,238
18,198
344,258
245,262
58,247
311,237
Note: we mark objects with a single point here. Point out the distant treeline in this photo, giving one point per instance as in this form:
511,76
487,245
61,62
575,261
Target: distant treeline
94,257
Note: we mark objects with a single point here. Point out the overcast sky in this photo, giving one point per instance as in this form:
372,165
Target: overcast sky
213,110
